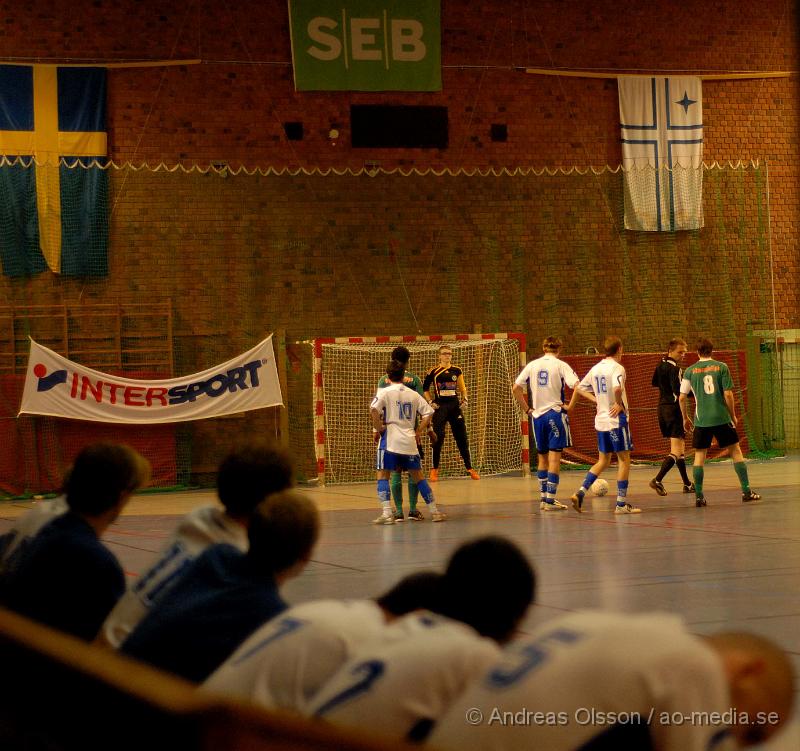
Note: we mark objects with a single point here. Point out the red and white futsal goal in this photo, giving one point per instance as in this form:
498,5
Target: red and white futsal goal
346,373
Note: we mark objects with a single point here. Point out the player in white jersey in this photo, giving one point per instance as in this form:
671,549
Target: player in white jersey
620,681
547,378
606,381
201,527
246,476
394,411
284,663
28,525
399,685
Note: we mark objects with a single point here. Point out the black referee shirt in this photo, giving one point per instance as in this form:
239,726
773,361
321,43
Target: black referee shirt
667,379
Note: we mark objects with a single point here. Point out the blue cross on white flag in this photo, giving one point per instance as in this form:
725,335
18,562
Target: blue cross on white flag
662,152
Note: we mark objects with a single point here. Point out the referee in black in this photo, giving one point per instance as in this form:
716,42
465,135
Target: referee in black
667,379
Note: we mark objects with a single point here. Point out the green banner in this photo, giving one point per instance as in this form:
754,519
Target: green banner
366,45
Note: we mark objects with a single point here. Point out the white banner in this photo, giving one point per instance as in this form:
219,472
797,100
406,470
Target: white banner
58,387
662,152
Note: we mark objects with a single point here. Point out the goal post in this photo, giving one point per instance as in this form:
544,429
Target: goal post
345,374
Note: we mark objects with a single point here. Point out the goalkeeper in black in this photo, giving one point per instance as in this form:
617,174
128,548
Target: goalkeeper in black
667,379
445,389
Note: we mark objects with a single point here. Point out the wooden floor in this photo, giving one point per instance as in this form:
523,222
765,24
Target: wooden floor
728,566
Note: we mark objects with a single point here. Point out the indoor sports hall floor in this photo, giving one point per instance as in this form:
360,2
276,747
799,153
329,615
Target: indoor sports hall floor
728,566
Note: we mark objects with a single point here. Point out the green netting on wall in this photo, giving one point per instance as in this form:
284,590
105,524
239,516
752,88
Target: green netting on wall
201,266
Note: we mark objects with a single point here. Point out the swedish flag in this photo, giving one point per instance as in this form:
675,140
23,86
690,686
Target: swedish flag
53,209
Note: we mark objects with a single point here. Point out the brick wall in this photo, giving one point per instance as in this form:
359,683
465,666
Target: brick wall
231,107
243,255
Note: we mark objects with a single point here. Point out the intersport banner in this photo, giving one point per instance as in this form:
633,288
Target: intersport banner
58,387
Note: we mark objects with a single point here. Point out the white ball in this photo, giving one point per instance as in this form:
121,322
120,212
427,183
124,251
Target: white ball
599,487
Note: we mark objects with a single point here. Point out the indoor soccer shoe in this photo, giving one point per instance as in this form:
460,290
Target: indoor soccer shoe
384,520
700,501
750,496
658,486
434,475
398,516
627,509
415,516
473,474
439,516
552,506
577,502
688,488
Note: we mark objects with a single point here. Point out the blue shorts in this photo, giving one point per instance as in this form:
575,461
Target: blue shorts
614,441
397,462
551,432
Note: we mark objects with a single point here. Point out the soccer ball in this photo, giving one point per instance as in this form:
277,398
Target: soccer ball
599,487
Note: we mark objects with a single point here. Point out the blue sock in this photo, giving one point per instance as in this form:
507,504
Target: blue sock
425,491
383,491
587,483
552,486
622,491
542,475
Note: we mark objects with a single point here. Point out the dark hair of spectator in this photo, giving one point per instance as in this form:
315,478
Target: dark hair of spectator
488,584
283,530
413,592
101,474
250,473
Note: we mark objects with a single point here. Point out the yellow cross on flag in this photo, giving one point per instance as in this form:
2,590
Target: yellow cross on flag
56,115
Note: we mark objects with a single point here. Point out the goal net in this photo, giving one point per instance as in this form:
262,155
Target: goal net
346,373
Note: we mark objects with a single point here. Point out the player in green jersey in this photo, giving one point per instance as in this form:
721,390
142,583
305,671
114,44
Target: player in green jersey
401,354
715,417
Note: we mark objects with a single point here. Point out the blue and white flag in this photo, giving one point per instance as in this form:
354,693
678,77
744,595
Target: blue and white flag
662,152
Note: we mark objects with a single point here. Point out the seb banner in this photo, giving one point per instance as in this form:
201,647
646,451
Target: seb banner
59,387
366,45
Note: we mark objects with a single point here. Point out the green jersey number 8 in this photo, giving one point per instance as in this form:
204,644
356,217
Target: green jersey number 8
708,384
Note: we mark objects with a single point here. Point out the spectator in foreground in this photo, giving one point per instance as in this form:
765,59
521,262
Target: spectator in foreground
246,476
286,661
226,594
399,685
64,576
609,680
